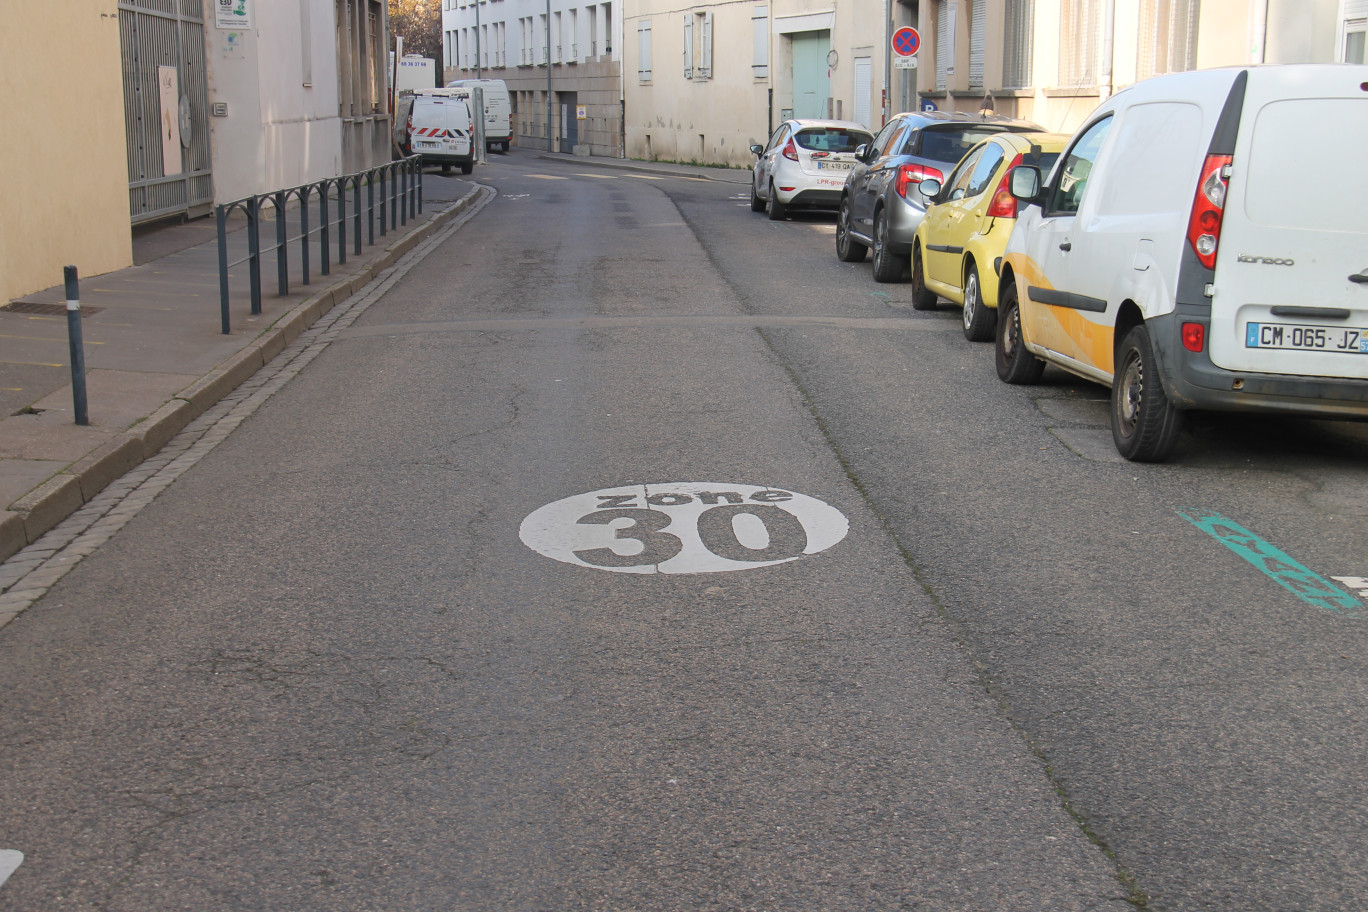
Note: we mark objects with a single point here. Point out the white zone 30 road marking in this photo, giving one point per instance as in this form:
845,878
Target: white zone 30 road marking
9,860
683,527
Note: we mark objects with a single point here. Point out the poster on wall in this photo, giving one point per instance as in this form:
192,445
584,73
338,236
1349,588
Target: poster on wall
168,85
232,14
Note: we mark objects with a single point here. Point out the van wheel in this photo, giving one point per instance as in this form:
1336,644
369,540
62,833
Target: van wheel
774,207
1144,423
848,250
467,167
757,204
446,168
1014,363
888,266
978,317
923,298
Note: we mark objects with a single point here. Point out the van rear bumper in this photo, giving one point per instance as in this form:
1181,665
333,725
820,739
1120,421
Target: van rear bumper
1192,381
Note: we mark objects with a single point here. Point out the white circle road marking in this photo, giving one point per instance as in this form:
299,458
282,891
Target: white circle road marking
683,527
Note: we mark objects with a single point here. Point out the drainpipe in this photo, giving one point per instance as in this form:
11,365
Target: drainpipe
1258,31
1106,80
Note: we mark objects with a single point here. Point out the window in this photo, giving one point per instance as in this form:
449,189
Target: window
958,183
888,137
945,44
983,171
760,31
698,45
607,28
1079,22
557,27
1016,43
1168,37
593,31
1072,179
572,36
978,26
644,50
1354,32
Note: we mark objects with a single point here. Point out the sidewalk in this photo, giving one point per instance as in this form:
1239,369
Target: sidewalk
154,353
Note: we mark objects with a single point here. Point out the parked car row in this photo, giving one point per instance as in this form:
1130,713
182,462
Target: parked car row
1201,242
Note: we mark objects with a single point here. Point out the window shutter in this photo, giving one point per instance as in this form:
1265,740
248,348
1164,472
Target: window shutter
1016,50
978,24
705,50
945,43
760,29
644,51
688,45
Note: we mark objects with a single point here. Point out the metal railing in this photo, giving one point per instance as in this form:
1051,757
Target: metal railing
400,192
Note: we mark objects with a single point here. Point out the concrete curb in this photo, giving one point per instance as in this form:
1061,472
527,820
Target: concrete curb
66,492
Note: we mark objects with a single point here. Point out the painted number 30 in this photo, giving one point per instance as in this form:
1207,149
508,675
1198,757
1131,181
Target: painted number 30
685,527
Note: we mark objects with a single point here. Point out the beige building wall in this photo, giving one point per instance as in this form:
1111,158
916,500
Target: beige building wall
66,200
713,118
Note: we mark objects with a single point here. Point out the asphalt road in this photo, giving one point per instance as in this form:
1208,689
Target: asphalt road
918,640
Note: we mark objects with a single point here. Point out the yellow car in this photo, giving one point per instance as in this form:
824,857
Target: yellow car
959,244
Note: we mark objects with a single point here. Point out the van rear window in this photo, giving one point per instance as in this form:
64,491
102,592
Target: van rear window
1306,165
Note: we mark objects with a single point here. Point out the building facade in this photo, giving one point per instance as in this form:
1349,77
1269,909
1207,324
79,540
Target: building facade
561,61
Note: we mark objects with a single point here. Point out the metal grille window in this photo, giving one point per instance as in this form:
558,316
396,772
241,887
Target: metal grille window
644,51
1019,25
978,25
945,43
1168,36
1079,22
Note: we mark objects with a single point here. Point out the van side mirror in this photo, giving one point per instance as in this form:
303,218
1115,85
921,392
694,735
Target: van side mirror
929,188
1023,182
757,148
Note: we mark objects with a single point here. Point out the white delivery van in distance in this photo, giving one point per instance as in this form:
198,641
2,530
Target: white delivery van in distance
437,127
1201,244
498,110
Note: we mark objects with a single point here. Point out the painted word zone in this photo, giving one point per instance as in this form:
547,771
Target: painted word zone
683,527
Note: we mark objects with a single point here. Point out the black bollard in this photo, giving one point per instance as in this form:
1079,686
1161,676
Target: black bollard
78,384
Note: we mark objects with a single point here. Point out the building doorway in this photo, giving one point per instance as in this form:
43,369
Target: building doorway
811,82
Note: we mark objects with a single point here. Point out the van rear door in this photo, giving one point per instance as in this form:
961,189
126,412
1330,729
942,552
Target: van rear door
1291,280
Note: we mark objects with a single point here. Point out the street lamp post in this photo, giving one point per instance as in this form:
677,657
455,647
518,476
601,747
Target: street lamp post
479,70
548,77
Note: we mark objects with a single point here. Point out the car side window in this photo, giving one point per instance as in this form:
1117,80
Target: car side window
960,178
982,175
881,140
776,137
1071,180
886,144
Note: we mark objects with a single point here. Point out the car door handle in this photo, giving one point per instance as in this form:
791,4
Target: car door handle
1360,278
1066,246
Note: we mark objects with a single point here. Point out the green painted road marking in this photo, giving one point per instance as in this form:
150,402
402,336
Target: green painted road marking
1277,565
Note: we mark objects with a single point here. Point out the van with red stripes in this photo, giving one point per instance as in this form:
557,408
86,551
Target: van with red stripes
1202,243
437,127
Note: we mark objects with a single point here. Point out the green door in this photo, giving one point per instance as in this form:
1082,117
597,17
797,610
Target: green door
811,85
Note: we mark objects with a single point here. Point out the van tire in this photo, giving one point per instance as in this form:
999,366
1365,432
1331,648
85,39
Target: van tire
848,250
446,168
1014,363
978,318
467,167
923,298
1144,422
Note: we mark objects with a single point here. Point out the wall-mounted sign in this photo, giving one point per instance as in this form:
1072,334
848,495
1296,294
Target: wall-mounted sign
581,112
168,88
232,14
683,527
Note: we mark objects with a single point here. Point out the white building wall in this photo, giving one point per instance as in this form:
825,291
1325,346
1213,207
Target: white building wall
280,81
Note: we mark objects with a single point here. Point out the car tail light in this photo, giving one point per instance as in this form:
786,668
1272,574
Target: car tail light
791,151
1004,205
1208,206
914,174
1194,336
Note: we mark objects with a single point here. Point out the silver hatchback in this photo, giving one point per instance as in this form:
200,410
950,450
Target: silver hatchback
804,166
881,205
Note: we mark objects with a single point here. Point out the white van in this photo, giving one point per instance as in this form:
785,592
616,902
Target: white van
498,110
437,127
1201,244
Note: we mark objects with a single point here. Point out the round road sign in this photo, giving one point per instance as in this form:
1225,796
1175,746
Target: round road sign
906,42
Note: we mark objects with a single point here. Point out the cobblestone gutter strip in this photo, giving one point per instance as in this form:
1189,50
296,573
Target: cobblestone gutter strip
28,575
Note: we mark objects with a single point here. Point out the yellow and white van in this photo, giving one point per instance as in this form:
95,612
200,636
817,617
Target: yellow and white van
1202,243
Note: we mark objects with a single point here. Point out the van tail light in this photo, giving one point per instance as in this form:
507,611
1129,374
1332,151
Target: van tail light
1004,205
914,174
791,151
1194,337
1208,207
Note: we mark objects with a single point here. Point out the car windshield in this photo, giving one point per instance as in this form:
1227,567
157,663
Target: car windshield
949,146
832,139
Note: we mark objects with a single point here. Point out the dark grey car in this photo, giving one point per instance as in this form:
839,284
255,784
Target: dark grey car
881,205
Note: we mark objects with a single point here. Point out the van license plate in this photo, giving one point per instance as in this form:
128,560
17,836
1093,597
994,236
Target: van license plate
428,145
1307,338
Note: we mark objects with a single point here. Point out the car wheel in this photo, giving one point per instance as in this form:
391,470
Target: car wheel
757,204
467,167
1014,363
888,266
923,298
1144,423
848,249
774,207
978,318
